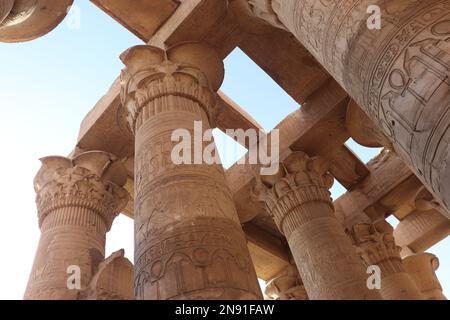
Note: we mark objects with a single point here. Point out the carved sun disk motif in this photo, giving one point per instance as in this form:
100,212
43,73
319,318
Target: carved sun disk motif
201,255
157,269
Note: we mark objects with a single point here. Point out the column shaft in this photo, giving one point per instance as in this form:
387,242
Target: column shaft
77,201
189,243
72,236
301,205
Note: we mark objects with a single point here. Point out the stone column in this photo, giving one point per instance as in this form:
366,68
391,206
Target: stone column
286,286
422,228
299,200
398,74
422,268
189,242
77,201
377,248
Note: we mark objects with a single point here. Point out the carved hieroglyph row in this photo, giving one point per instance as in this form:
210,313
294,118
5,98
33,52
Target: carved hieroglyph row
201,258
189,243
299,200
77,201
400,74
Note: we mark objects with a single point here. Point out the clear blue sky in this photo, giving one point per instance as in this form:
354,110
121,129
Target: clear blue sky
48,86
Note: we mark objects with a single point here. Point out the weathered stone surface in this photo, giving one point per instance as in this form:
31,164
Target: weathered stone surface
422,268
299,200
424,226
24,20
77,201
286,286
399,74
143,17
377,247
189,241
113,280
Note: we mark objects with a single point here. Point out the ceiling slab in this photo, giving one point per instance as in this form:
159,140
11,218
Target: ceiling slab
141,17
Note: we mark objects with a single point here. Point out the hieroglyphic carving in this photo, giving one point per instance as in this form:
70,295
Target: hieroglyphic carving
399,74
189,243
154,163
64,182
299,200
301,180
377,246
211,200
203,260
77,201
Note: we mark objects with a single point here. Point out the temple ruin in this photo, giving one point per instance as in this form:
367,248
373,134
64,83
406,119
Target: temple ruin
202,232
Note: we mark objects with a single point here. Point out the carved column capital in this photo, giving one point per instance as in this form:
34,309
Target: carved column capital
191,71
266,10
300,180
376,246
92,180
300,203
422,268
